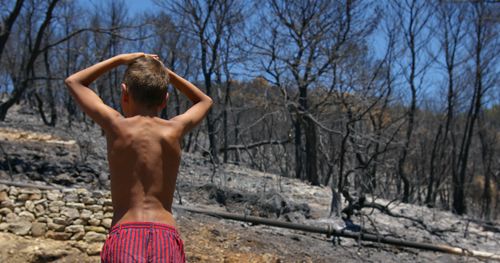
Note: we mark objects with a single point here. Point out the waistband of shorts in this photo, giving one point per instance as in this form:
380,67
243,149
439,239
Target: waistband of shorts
143,225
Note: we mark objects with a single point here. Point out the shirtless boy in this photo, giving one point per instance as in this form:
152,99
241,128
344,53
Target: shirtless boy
143,154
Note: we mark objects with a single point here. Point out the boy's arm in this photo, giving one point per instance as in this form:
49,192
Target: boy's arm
88,100
201,103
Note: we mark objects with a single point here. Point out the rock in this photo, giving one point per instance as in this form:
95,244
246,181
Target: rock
78,236
70,212
94,249
80,245
85,214
35,196
94,237
38,229
54,195
107,202
8,204
30,206
17,210
4,227
94,208
99,215
12,217
87,200
71,197
98,229
82,192
4,196
3,188
60,220
106,222
23,197
42,219
27,216
54,209
39,210
79,222
94,222
55,206
57,203
20,228
58,235
40,201
5,211
75,205
108,209
56,227
13,191
74,229
99,194
108,215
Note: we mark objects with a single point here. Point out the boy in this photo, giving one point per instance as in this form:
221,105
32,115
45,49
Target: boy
143,154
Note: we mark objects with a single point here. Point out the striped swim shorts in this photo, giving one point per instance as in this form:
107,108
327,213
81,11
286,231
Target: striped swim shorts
143,242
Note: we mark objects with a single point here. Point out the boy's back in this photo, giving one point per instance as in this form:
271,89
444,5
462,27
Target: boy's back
143,154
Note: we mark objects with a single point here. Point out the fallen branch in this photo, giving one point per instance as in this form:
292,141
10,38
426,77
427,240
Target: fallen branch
253,145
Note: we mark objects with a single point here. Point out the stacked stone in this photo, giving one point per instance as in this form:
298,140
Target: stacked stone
70,214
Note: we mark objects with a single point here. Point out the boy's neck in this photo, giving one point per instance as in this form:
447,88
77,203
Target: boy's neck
143,112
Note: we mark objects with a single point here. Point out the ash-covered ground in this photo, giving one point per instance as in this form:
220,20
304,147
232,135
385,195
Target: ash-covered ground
76,157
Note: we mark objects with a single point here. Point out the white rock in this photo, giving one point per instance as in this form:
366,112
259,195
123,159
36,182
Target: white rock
60,220
97,229
27,215
13,191
94,237
74,229
85,214
20,228
38,229
5,211
94,222
56,227
78,236
30,206
75,205
54,195
94,208
4,196
70,212
106,222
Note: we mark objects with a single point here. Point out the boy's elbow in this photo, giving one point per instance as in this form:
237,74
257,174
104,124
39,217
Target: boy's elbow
69,81
210,101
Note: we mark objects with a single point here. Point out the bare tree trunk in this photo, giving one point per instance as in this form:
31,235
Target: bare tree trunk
459,202
6,25
28,69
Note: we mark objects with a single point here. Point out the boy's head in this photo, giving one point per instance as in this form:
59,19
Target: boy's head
145,82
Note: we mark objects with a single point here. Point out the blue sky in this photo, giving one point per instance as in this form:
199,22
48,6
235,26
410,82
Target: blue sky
138,6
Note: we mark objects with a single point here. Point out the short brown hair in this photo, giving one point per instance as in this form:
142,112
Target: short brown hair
147,79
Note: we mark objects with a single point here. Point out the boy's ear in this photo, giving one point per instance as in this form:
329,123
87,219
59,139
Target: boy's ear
124,92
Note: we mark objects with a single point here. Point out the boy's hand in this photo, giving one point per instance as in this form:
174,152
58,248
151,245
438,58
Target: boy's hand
130,57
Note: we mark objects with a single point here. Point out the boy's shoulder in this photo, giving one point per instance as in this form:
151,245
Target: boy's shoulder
140,125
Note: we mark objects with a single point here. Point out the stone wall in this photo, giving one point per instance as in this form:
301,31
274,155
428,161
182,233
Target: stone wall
69,214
